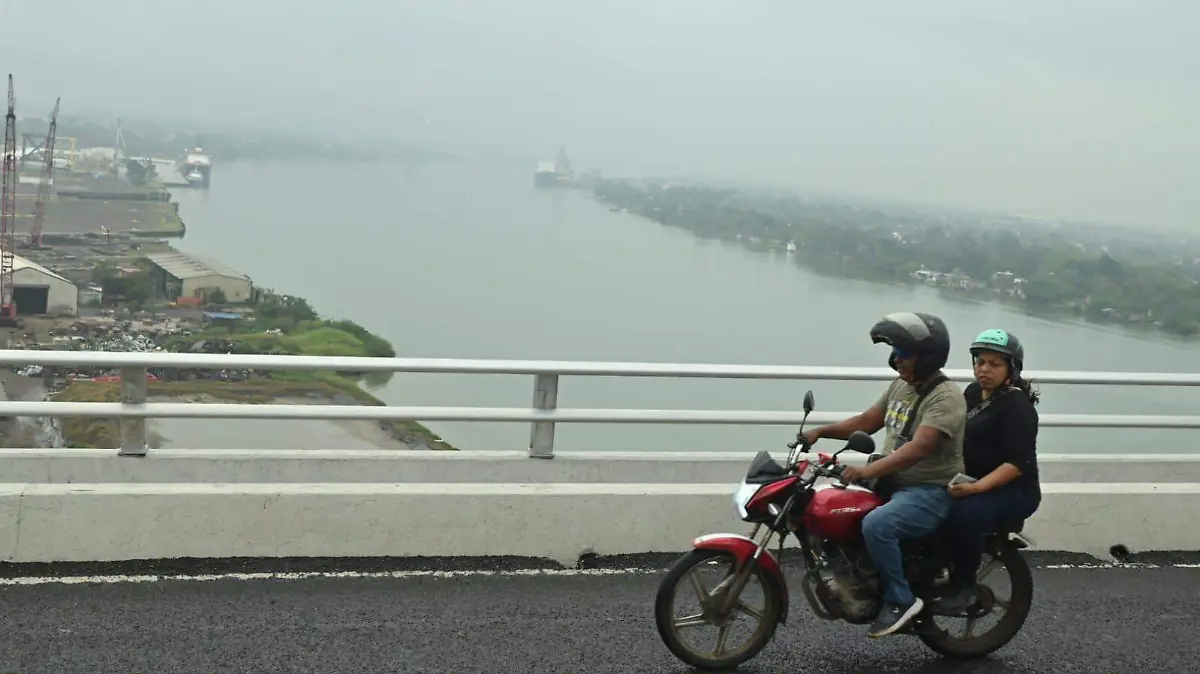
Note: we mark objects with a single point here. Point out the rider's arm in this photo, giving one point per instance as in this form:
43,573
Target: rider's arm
942,416
869,421
924,442
1018,444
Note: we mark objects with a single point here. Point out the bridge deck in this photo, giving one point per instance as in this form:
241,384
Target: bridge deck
1085,620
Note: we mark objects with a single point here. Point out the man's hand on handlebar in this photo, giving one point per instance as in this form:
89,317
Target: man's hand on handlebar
857,474
807,440
851,474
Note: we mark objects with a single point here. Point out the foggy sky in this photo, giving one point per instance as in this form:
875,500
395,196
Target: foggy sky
1075,109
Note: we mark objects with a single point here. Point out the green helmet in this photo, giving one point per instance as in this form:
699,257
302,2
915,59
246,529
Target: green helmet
1004,343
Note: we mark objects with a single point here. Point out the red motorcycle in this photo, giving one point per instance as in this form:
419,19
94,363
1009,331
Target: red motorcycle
810,501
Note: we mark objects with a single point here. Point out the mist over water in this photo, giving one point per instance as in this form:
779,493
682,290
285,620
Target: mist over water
469,260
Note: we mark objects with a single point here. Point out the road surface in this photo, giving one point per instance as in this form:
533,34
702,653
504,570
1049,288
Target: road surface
1085,620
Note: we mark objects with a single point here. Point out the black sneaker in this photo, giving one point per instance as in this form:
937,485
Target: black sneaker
893,618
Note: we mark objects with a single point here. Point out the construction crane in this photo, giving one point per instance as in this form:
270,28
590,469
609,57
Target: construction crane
8,199
118,151
39,207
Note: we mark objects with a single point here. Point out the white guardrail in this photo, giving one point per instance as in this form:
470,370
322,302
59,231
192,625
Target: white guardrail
80,505
543,414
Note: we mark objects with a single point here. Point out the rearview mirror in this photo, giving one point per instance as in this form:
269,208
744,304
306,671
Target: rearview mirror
860,442
808,402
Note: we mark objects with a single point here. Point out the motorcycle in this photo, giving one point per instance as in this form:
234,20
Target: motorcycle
810,501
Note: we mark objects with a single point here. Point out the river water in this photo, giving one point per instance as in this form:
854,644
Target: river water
469,260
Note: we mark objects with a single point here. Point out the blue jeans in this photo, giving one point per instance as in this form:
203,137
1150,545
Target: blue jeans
973,517
913,512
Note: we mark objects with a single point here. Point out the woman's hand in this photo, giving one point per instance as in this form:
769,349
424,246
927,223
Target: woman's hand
964,489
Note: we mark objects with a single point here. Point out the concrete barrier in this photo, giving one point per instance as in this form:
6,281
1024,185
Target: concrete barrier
114,522
63,466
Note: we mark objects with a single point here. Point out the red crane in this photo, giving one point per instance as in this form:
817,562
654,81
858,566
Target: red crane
39,207
8,199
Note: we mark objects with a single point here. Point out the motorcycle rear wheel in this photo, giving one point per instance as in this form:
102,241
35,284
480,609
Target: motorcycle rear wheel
1014,616
667,622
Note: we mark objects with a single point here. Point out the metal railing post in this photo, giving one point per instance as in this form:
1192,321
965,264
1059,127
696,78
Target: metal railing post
133,429
545,397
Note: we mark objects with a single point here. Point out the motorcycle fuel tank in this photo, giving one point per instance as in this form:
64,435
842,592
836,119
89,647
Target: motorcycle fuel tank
836,513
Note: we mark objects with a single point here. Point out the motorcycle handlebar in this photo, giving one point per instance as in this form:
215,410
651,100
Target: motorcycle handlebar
802,442
833,470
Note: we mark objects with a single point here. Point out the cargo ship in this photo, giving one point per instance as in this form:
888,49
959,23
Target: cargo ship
196,167
554,173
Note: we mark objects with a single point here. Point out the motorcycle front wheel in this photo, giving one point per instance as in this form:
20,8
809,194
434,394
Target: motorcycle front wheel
686,575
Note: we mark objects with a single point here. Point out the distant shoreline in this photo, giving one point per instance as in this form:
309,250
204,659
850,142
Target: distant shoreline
730,216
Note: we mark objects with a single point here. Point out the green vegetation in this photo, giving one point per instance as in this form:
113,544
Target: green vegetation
167,222
1043,271
273,324
309,338
286,325
134,289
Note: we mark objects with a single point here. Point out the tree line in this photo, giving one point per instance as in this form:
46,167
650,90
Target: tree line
1059,273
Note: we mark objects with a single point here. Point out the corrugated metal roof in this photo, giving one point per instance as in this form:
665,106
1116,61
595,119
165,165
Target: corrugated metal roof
24,263
183,266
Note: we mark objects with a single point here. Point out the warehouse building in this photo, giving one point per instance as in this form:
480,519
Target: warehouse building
179,275
38,291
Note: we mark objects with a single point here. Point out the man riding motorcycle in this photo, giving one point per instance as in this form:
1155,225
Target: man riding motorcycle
918,465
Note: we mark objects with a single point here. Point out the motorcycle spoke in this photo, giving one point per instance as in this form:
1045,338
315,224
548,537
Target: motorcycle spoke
1002,603
698,585
697,620
723,585
721,637
970,627
987,570
750,611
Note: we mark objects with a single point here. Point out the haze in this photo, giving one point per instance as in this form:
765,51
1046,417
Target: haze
1073,109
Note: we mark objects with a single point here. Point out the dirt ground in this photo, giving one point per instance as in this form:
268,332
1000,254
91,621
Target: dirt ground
37,328
14,432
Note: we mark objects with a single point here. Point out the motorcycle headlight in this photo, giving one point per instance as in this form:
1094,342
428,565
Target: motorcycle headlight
742,496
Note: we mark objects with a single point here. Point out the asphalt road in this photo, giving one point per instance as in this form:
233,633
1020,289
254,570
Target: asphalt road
1092,620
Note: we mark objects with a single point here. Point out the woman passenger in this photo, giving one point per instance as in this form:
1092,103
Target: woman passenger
1000,451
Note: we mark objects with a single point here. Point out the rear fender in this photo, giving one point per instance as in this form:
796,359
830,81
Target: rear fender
742,548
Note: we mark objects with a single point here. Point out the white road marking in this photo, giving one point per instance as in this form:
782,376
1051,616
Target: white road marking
470,573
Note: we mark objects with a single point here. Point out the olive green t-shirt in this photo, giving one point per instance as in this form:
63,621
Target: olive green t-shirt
945,409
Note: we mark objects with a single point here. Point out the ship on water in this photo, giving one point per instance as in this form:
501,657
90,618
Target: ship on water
554,173
196,167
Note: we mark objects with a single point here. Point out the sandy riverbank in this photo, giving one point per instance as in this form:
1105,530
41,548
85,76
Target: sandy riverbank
267,434
239,433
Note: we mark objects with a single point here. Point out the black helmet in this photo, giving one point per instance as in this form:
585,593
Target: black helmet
1004,343
922,335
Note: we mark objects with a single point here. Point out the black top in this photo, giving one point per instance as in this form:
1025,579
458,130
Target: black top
1005,431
